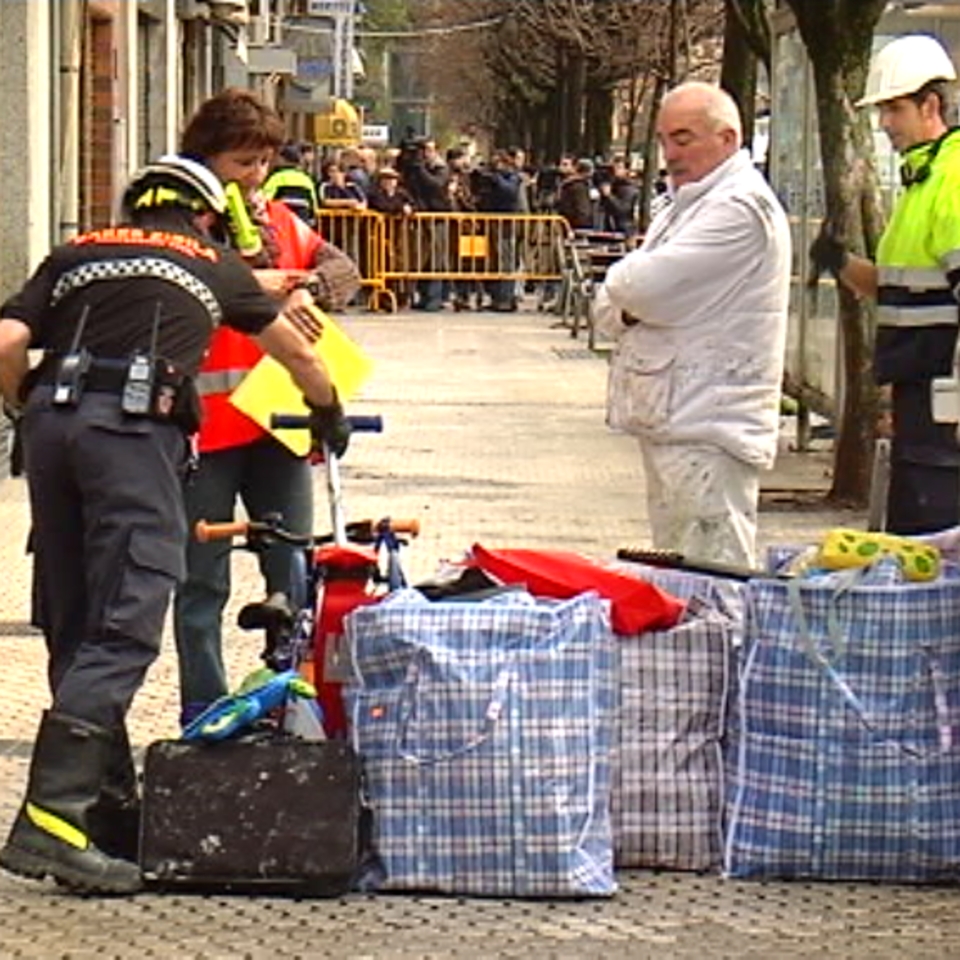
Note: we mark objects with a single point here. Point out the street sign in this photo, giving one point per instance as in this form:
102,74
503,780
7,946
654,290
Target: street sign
331,8
376,134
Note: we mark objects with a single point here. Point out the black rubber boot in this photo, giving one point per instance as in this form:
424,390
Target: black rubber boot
114,820
51,835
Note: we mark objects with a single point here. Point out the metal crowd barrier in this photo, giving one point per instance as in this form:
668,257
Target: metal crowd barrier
394,252
361,234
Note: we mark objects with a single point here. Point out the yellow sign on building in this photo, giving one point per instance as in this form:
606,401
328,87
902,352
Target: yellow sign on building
340,127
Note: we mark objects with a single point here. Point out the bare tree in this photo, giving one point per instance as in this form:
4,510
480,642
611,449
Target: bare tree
551,67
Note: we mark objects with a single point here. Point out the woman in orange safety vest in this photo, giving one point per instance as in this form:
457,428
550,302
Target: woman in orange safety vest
236,135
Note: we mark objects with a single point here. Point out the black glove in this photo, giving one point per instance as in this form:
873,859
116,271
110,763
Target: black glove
827,254
329,426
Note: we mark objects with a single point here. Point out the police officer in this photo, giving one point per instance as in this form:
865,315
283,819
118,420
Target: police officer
292,185
915,281
124,316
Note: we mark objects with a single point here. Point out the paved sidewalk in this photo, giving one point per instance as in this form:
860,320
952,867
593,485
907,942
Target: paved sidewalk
494,433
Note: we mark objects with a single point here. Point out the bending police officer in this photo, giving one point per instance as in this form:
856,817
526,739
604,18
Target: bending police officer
124,316
914,281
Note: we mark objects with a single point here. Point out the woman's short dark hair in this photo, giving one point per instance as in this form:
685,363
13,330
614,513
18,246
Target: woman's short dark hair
233,119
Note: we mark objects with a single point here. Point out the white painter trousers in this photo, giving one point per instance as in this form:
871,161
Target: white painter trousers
702,502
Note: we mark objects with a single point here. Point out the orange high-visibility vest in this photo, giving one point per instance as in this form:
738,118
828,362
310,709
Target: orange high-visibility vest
231,354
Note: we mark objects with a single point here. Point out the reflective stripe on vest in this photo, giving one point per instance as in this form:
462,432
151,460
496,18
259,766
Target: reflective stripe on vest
913,317
219,381
945,400
916,279
914,297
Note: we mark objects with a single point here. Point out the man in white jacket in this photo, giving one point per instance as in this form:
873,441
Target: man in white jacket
700,315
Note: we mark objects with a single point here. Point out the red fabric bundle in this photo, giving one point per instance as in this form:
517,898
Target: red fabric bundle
636,606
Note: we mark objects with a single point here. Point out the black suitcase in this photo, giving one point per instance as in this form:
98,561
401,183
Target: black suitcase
254,814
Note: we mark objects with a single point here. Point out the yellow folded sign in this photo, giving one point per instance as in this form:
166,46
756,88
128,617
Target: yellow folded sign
269,389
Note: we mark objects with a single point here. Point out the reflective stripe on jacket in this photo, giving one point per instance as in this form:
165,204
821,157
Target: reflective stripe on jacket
233,354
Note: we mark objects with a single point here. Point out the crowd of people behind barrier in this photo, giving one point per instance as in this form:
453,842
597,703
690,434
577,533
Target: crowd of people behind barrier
417,178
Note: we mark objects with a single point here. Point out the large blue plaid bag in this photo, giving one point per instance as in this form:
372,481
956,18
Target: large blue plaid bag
485,729
848,758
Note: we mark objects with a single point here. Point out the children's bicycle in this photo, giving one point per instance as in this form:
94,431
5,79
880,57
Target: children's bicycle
331,574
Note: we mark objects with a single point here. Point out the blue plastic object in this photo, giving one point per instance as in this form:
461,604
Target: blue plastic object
261,693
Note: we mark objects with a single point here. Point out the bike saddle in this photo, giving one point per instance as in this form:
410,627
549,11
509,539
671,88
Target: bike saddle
276,612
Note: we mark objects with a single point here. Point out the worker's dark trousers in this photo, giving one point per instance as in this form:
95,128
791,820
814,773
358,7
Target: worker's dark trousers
269,479
924,493
109,536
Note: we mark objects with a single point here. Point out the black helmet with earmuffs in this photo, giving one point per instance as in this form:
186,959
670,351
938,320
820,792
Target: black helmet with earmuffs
174,180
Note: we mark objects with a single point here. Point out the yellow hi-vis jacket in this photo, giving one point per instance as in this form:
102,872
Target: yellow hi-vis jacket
296,188
918,259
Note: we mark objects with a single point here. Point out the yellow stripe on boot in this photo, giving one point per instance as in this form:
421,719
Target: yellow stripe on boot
57,827
843,548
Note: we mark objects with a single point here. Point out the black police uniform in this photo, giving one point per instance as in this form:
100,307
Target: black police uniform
109,531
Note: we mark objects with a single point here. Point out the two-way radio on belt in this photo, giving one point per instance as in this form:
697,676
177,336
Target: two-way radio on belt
73,367
138,388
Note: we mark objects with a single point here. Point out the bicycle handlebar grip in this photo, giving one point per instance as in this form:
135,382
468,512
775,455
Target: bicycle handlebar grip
205,532
289,421
300,421
409,526
369,423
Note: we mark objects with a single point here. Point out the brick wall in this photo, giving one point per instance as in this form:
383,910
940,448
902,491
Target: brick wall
97,188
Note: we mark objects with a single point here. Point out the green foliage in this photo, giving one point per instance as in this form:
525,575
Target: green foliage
380,16
386,15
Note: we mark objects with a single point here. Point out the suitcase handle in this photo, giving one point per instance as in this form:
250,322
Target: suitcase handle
491,716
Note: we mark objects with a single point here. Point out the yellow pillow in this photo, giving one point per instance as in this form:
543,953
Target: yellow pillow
843,548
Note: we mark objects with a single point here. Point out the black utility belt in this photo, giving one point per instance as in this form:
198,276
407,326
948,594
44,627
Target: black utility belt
148,387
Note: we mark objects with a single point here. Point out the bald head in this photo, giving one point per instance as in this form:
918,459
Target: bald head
698,128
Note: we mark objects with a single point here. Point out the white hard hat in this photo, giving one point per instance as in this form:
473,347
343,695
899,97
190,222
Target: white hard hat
903,66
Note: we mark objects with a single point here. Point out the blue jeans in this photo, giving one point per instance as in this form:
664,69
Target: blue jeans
268,479
431,294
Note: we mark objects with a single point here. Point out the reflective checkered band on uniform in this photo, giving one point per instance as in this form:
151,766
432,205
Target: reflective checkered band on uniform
128,268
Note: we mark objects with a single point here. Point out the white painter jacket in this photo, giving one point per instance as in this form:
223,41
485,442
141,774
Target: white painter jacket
709,288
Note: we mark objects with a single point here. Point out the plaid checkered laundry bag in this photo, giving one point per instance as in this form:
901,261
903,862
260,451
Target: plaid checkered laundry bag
705,718
668,778
848,762
486,731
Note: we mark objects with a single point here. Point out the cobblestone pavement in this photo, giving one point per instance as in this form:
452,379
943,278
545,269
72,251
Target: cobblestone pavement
494,433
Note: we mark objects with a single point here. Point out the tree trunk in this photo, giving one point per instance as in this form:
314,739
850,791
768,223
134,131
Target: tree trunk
838,37
850,188
651,153
638,87
576,97
599,130
561,103
674,42
738,72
